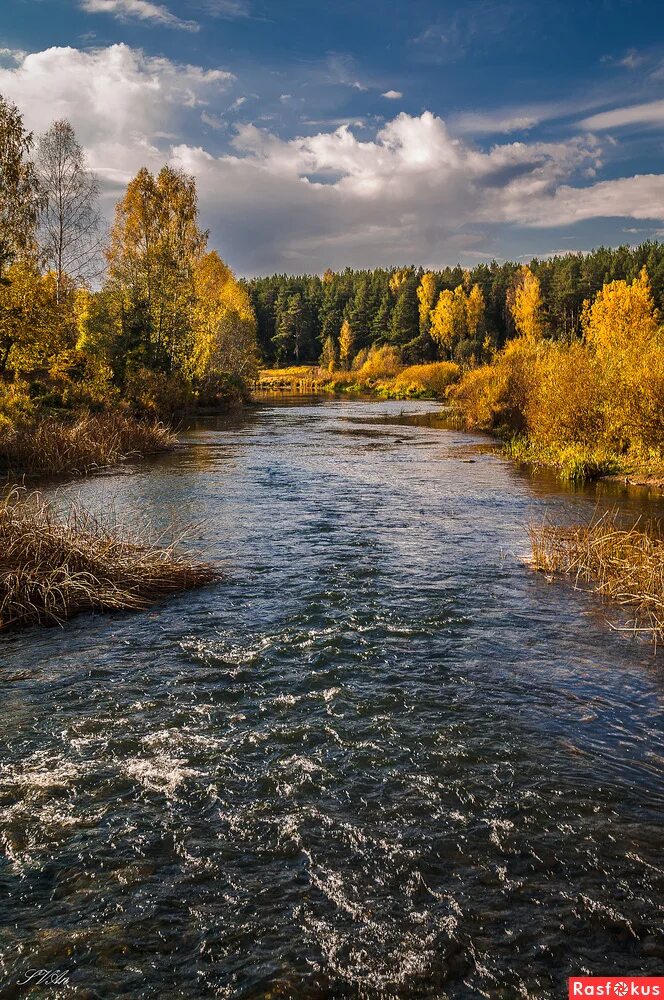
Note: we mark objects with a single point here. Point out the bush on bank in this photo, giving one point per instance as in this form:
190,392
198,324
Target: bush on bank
587,407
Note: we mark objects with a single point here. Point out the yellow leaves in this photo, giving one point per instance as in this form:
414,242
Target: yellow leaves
457,315
526,305
224,326
346,340
475,307
426,293
398,278
622,316
432,379
605,392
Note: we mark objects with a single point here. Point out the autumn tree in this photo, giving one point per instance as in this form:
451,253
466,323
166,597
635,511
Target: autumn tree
622,317
70,223
224,325
448,318
426,296
346,342
475,309
328,358
154,247
20,194
526,305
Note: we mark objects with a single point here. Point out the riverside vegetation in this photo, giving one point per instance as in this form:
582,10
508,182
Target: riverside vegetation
625,565
102,336
105,336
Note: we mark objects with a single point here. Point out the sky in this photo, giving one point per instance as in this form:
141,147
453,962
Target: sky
363,133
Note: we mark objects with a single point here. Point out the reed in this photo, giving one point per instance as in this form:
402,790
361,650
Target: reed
52,446
54,565
623,565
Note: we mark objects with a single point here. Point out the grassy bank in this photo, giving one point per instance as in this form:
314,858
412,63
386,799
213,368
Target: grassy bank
381,374
623,565
54,446
54,566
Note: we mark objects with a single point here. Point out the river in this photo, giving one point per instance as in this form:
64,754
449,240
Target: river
382,759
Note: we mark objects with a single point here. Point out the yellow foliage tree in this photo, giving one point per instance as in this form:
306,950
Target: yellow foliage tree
525,303
155,245
224,325
426,294
398,278
475,308
346,341
622,317
448,318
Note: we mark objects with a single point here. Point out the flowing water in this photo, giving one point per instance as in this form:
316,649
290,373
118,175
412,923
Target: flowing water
382,759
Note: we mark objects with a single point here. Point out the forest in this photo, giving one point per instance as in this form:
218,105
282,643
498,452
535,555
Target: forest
301,318
141,321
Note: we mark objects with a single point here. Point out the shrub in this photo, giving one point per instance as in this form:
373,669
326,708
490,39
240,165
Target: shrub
381,363
425,380
480,396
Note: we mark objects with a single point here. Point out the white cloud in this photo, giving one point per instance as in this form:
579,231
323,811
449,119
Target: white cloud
638,197
140,10
392,95
651,113
410,191
127,107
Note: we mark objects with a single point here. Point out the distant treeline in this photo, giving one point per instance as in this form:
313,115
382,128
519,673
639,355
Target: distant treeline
300,318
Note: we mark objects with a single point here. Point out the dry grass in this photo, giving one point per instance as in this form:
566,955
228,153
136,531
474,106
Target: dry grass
295,378
624,565
91,441
54,566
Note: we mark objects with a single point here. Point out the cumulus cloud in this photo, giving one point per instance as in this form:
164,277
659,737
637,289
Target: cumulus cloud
413,190
392,95
140,10
127,108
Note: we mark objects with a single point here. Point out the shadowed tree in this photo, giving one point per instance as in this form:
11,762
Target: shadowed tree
20,196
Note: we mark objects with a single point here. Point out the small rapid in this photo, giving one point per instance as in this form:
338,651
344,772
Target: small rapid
383,759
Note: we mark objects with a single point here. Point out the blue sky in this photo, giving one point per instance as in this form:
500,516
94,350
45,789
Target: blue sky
372,133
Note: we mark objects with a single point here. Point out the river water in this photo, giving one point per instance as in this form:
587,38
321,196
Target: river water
382,759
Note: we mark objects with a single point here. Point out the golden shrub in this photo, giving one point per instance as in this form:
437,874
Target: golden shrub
565,399
480,396
432,379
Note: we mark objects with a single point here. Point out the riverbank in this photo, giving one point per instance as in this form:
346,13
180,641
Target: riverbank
623,565
54,566
381,375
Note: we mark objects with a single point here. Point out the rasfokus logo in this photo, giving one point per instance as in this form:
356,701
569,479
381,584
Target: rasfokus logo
619,986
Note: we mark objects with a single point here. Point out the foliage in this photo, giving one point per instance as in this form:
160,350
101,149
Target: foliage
430,380
525,303
20,194
346,341
585,407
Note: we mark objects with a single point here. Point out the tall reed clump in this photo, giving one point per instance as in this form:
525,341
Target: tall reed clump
52,446
624,565
53,566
